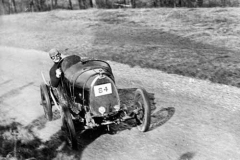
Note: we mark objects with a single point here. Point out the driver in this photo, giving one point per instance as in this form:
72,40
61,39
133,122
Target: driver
55,71
55,79
55,76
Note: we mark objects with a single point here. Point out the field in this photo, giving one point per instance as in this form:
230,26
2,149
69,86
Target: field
202,43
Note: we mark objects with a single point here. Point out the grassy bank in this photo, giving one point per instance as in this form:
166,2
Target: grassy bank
202,43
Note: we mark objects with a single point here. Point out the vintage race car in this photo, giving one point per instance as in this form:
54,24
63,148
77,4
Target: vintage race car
92,98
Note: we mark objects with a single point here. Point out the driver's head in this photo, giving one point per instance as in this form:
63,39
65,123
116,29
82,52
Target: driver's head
55,55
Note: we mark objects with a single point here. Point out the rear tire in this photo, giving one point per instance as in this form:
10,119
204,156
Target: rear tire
142,104
46,102
70,130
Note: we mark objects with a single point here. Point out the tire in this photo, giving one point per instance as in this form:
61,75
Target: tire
70,130
142,104
46,102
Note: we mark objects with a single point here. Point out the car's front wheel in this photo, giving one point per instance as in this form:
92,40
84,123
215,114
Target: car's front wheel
143,110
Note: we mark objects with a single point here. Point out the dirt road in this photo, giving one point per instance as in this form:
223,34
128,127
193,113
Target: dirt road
194,119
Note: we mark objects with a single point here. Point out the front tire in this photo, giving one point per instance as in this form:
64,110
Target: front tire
46,102
70,130
142,105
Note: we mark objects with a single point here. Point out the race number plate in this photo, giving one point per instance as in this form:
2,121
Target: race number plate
103,89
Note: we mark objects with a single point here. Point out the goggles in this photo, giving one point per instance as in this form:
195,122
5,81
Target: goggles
57,55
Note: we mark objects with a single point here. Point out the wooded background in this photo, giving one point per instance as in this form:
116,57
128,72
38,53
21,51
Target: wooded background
16,6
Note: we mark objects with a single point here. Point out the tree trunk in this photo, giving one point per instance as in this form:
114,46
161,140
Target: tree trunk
56,3
174,3
14,6
224,3
133,2
9,7
31,6
94,4
38,5
180,3
82,4
90,3
159,3
156,3
199,3
51,4
79,4
3,7
70,4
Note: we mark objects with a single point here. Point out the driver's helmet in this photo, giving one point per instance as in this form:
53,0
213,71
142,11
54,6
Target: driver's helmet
55,55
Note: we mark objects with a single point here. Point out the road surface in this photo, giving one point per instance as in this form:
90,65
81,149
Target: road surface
194,119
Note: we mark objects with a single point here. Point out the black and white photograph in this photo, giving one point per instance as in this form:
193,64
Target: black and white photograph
119,79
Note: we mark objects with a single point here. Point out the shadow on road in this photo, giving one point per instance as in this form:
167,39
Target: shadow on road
187,156
19,142
89,135
162,116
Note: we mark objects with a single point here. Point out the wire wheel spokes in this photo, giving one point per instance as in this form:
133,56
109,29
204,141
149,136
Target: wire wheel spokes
142,109
68,134
70,130
45,101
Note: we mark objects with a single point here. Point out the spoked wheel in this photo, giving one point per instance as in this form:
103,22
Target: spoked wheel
142,109
70,130
45,101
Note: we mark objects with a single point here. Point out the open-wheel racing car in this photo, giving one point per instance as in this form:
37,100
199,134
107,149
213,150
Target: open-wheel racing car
92,98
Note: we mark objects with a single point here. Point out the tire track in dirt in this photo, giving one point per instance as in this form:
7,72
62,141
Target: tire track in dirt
14,92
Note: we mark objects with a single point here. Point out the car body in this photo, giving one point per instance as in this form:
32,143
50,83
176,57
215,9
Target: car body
92,98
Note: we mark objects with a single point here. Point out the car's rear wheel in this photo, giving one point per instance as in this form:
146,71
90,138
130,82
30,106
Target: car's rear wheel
46,102
142,109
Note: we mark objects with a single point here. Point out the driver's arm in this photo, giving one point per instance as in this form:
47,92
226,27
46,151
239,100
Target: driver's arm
54,78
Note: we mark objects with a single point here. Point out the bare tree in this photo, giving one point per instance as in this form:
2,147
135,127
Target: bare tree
70,4
106,4
31,6
90,3
223,3
38,5
133,3
12,6
56,3
199,3
156,3
82,4
51,4
3,7
93,3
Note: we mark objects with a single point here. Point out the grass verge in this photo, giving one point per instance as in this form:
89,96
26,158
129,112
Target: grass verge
201,43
